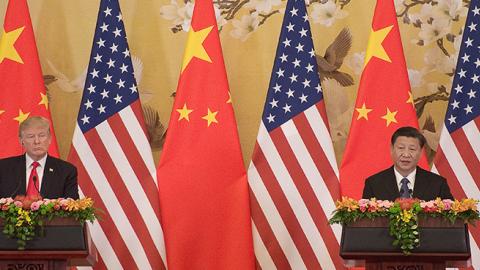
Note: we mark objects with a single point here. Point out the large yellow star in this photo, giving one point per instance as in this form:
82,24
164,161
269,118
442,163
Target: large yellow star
410,98
43,100
7,42
210,117
184,112
375,47
363,112
195,46
21,116
390,117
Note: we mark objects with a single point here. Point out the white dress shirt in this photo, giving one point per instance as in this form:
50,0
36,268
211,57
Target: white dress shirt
410,177
29,165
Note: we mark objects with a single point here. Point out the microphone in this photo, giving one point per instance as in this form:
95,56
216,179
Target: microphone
34,178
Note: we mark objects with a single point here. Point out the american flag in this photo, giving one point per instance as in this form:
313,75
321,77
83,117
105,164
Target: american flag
458,154
113,156
293,175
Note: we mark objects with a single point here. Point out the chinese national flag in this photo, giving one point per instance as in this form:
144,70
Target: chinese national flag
22,90
384,103
202,180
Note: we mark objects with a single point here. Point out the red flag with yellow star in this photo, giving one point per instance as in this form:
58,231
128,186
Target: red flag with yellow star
384,103
202,179
22,90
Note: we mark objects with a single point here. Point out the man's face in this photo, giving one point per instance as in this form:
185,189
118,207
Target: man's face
36,139
405,154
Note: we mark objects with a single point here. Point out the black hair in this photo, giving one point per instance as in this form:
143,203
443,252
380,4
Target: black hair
410,132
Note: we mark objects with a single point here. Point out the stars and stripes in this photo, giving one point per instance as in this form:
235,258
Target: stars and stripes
113,156
293,175
458,153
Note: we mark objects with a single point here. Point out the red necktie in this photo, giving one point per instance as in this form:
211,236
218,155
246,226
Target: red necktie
31,189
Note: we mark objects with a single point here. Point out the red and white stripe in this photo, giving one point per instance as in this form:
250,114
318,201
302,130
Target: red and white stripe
293,180
116,169
458,160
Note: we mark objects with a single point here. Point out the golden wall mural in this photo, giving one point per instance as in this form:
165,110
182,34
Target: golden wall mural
156,31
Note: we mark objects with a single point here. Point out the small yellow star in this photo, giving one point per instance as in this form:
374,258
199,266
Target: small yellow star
375,47
390,117
410,98
210,117
363,112
43,100
21,116
229,97
1,112
194,47
184,112
7,42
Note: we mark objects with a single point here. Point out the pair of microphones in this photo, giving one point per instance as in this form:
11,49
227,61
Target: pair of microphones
410,192
19,184
34,178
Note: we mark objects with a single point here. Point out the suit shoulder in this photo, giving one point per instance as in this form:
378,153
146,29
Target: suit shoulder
380,175
61,162
430,175
11,160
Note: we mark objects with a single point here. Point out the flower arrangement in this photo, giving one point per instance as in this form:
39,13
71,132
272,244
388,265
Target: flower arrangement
403,215
22,216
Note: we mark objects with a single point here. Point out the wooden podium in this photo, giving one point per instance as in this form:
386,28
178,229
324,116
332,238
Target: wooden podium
442,244
64,243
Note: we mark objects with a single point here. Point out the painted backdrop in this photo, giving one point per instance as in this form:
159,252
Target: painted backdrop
157,29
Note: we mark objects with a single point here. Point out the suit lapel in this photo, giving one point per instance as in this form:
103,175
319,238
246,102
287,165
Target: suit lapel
21,175
47,176
421,183
391,186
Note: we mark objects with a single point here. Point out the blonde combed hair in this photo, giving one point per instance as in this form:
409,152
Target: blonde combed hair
32,121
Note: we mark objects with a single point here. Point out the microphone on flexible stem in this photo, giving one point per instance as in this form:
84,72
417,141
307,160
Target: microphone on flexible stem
34,178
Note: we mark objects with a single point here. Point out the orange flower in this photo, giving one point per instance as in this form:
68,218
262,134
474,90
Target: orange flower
464,205
348,204
406,203
82,204
27,200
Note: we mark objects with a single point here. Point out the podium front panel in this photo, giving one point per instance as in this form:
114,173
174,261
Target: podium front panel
378,239
58,237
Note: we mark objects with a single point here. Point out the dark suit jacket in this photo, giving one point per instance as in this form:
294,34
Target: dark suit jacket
428,186
59,178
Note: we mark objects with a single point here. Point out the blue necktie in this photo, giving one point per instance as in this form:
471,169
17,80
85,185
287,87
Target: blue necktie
404,190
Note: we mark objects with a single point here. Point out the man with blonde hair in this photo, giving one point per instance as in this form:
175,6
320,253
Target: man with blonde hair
35,172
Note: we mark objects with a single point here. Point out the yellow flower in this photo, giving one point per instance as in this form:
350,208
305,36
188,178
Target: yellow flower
406,215
440,205
23,216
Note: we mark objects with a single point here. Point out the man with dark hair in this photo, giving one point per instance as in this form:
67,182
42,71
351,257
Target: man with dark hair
405,179
35,172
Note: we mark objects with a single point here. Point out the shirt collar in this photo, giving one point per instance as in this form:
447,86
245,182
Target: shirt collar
410,177
41,161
